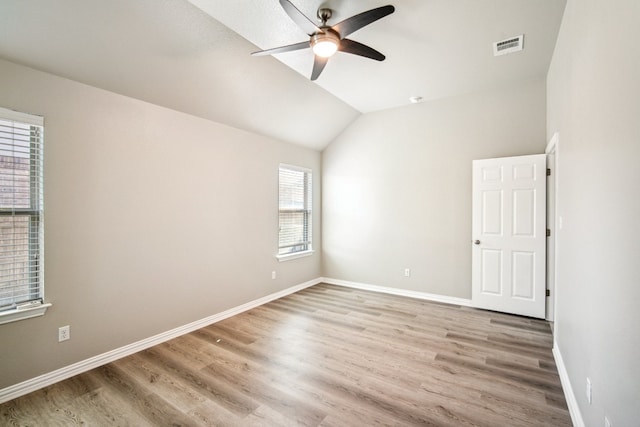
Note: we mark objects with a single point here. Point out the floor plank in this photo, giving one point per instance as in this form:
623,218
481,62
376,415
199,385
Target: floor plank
324,356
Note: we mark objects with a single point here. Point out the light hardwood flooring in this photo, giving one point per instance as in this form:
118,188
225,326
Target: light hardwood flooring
324,356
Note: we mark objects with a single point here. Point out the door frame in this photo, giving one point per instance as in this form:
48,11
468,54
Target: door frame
554,224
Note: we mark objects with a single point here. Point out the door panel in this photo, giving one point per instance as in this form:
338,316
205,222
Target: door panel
524,214
509,202
491,272
523,274
492,212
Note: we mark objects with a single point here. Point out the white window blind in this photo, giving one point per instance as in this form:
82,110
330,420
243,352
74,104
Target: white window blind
21,209
294,210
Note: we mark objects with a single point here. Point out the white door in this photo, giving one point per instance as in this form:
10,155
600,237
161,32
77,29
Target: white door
509,233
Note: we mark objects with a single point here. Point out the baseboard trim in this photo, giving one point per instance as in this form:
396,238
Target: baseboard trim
401,292
53,377
570,397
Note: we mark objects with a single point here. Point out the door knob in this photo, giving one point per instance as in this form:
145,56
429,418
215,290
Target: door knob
476,242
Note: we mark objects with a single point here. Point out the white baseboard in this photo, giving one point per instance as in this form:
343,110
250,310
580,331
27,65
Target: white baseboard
570,397
53,377
402,292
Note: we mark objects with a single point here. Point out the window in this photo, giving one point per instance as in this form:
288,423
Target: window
21,219
294,236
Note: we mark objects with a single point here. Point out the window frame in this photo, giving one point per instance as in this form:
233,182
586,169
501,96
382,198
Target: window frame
34,305
306,210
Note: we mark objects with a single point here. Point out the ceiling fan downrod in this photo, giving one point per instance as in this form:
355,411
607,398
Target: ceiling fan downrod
324,14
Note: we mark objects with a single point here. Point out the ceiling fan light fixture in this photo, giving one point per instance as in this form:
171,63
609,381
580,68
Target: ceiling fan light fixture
325,44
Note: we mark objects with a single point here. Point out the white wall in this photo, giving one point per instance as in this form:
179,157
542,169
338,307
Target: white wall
594,104
153,219
397,186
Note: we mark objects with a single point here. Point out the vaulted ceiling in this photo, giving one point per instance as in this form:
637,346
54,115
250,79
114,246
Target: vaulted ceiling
194,56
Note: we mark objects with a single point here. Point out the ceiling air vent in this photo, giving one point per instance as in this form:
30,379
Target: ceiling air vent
510,45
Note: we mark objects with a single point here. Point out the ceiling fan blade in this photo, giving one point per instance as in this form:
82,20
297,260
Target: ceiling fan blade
281,49
355,48
318,65
299,18
360,20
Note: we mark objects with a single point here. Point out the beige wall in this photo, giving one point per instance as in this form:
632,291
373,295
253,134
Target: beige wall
397,186
153,219
594,104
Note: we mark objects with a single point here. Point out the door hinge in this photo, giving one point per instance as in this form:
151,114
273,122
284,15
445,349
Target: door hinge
548,172
548,232
548,293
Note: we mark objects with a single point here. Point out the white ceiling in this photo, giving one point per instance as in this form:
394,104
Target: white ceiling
193,56
434,48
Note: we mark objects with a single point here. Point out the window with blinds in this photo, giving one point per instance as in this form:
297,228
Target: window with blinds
294,210
21,209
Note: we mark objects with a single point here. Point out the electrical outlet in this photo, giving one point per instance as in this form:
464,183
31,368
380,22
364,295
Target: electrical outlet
273,274
64,333
589,390
407,272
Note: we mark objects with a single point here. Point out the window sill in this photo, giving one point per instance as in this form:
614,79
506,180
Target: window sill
23,313
296,255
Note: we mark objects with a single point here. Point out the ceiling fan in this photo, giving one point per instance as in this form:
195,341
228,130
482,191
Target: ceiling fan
326,40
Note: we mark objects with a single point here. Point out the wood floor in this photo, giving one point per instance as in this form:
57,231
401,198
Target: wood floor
325,356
